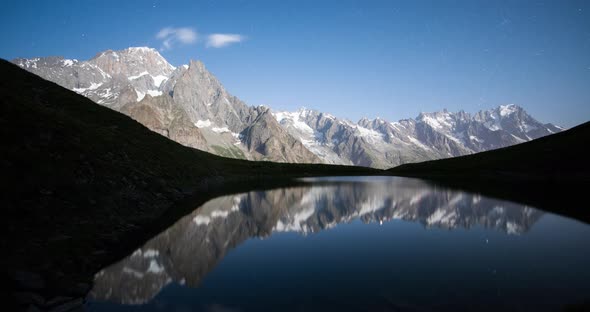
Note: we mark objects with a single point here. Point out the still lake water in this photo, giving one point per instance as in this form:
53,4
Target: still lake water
355,244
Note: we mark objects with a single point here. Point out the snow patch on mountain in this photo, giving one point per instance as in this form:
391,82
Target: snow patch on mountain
140,95
294,118
474,138
93,86
159,79
220,130
203,123
418,143
154,267
201,220
154,92
436,123
144,73
370,134
69,63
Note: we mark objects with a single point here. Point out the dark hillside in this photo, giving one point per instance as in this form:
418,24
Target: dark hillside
83,184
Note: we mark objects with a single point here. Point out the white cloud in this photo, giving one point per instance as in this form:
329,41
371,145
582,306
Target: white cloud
222,40
170,36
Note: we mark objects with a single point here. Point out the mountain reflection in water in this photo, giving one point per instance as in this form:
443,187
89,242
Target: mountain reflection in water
186,252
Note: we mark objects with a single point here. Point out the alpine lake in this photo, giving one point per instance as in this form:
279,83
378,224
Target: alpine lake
355,244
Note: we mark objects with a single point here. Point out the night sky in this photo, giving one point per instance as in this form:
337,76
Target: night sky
349,58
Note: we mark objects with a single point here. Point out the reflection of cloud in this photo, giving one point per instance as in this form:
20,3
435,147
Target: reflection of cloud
222,40
171,35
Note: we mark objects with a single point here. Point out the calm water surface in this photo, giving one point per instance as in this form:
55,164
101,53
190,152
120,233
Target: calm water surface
358,244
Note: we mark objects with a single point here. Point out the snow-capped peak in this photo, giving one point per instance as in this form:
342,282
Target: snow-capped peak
506,110
438,120
68,62
304,111
141,49
363,120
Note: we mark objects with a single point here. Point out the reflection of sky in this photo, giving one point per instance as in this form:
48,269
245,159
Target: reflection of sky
355,263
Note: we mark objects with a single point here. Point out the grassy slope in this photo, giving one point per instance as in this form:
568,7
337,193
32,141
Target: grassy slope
552,173
84,184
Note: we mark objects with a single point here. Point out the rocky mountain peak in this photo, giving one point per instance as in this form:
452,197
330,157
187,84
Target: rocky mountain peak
505,110
197,73
442,120
363,121
198,65
205,98
133,62
462,115
262,109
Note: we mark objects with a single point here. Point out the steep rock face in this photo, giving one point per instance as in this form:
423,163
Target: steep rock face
268,141
160,115
204,98
316,131
442,143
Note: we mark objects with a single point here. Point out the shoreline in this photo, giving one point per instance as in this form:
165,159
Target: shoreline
67,289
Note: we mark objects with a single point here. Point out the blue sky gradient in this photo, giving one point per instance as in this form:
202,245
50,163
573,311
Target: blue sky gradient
391,59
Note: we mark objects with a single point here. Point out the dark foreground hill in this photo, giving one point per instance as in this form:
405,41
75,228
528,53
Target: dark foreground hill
83,184
551,173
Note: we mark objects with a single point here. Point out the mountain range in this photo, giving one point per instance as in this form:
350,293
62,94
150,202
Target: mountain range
190,106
